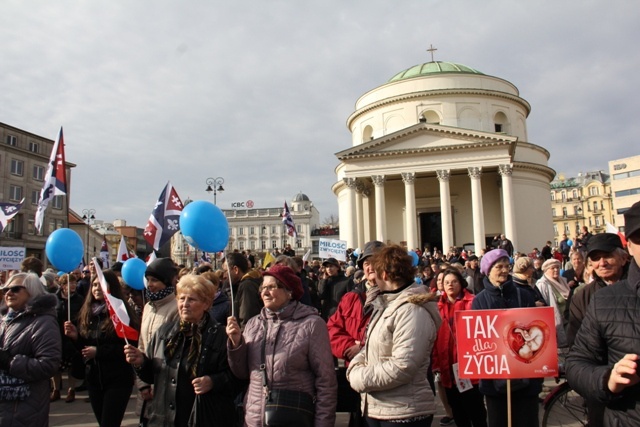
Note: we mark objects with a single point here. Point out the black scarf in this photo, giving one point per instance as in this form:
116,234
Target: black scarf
157,296
177,341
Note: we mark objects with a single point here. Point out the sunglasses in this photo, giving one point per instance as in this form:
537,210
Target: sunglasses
14,289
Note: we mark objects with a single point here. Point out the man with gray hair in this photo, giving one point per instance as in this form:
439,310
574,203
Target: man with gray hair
609,260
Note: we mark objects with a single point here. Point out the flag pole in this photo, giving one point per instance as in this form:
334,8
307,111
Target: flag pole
68,298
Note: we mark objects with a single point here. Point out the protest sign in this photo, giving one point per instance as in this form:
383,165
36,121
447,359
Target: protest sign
512,343
11,257
331,248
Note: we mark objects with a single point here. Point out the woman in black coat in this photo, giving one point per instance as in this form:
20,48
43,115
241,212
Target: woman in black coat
109,377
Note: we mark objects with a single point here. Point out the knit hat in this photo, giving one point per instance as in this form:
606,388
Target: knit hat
285,275
522,264
550,263
162,269
369,249
331,261
491,258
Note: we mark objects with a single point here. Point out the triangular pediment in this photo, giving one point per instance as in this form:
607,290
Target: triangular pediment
424,138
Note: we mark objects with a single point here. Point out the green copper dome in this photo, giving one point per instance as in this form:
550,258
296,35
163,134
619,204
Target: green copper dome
429,68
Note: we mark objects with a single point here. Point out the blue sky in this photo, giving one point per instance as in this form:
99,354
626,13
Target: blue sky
259,93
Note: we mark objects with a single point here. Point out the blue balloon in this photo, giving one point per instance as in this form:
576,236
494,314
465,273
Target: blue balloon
64,249
415,258
569,243
133,271
204,226
60,273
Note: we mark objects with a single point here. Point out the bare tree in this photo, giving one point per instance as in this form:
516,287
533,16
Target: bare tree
331,221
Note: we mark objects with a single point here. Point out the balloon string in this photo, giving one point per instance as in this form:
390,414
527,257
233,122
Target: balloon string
233,304
68,297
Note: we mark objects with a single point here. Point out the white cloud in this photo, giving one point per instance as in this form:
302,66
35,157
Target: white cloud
259,93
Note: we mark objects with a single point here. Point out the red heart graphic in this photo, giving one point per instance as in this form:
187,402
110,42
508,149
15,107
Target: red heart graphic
527,342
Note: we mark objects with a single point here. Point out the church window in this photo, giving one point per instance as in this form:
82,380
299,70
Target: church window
500,122
367,134
431,117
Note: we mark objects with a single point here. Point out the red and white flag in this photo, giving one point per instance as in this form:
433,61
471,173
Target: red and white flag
55,180
123,253
117,310
613,230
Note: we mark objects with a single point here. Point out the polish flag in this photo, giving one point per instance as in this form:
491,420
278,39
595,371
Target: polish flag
117,310
613,230
123,253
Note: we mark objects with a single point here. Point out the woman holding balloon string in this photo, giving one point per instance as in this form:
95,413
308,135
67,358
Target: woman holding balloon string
108,375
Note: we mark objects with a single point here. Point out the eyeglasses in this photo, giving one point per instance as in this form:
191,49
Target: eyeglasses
14,289
269,288
86,272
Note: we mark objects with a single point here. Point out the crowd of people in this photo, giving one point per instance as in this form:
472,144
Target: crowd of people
294,342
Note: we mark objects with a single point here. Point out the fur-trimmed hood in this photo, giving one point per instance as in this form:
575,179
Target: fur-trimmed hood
43,304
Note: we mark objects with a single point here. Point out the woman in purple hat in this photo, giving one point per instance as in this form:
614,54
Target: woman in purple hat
500,292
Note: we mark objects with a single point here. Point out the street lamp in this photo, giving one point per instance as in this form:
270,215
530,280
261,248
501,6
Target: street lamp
217,186
88,215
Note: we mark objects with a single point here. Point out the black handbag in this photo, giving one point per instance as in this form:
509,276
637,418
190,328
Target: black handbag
285,408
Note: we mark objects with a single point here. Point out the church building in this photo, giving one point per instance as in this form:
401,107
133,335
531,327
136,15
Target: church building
440,157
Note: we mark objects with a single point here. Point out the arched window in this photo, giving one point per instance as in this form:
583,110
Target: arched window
367,134
501,123
430,117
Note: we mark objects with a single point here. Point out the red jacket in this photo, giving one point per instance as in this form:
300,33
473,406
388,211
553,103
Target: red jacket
347,325
444,350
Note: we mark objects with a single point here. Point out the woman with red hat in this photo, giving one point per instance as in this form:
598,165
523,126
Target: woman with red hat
284,348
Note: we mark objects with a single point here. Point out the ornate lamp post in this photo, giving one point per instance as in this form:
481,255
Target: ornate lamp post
88,216
215,185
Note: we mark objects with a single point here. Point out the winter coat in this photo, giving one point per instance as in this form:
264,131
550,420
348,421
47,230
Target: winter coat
544,286
390,373
578,307
347,325
221,308
108,369
71,355
331,291
298,357
445,353
154,315
247,298
474,279
215,407
608,332
507,295
34,343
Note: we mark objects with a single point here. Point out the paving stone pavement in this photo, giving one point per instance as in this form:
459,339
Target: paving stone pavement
79,413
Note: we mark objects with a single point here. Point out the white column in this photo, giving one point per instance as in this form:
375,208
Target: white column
410,211
475,173
508,204
445,209
359,216
366,214
351,234
381,215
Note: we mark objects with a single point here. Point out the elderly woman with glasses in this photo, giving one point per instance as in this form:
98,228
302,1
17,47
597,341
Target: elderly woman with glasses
290,341
499,293
186,361
30,351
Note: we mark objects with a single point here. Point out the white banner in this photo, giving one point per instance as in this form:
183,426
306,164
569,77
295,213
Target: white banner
331,248
11,257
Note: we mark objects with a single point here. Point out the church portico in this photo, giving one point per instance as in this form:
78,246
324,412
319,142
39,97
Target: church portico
440,156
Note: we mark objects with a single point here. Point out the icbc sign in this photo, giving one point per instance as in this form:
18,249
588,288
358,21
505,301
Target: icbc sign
247,204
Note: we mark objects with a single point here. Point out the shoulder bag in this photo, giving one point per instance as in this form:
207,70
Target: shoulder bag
284,408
